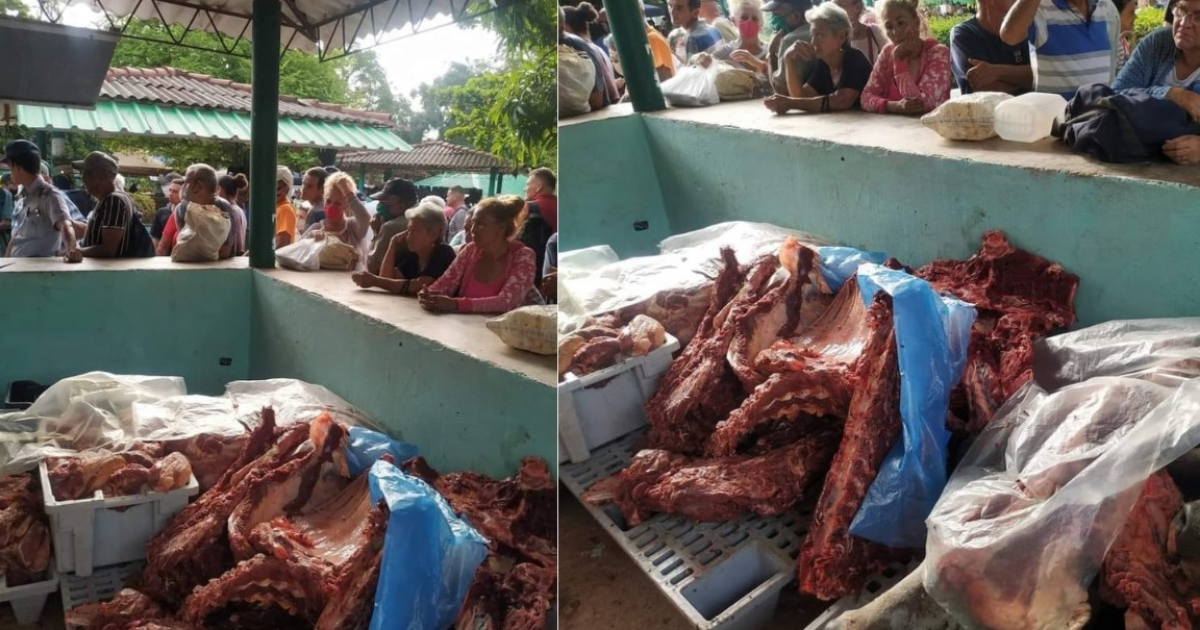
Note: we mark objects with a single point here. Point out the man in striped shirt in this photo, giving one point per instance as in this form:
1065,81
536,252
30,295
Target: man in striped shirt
115,229
1072,42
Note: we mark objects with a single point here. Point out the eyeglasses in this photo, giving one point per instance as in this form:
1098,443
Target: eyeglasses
1192,17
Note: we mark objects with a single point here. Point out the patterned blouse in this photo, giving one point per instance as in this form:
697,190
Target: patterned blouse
891,80
520,267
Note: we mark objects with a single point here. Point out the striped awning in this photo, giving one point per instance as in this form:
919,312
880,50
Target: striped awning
167,121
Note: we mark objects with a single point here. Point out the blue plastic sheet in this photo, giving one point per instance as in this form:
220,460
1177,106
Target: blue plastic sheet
429,555
932,333
366,447
839,264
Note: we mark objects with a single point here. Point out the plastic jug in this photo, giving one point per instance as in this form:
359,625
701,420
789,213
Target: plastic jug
1029,117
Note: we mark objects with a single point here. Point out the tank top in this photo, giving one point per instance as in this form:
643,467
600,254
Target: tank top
473,288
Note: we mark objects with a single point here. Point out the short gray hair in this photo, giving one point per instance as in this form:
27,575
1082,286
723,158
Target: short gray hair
831,14
204,174
430,213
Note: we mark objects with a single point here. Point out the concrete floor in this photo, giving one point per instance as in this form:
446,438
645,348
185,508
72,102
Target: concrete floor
600,587
52,617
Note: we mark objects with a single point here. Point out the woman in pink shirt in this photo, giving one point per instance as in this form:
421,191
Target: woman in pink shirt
912,74
493,273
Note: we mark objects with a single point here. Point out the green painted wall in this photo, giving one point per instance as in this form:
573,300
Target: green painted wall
610,184
1129,240
462,413
177,323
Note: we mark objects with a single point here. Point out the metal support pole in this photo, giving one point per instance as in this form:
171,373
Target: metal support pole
362,176
493,185
629,34
264,131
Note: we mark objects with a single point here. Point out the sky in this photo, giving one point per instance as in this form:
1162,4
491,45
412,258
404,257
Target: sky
408,62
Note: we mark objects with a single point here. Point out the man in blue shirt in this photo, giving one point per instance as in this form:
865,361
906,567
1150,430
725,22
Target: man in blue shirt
982,61
42,225
1073,42
693,35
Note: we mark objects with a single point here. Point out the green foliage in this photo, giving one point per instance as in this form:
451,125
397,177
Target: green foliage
14,8
939,27
145,205
507,112
1148,20
435,97
523,26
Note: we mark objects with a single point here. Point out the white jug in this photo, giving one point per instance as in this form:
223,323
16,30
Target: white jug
1029,117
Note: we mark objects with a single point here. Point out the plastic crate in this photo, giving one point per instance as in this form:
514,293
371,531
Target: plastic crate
721,576
101,586
876,585
28,600
121,525
605,405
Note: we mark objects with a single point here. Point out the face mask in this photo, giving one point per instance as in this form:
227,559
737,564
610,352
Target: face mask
779,24
334,213
749,29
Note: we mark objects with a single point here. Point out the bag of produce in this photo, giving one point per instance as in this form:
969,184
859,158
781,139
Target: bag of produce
576,79
530,328
204,231
968,117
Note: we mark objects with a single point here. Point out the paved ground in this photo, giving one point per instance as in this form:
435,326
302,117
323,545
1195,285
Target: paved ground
601,588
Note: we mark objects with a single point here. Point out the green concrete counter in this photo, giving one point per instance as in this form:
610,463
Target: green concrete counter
887,183
443,382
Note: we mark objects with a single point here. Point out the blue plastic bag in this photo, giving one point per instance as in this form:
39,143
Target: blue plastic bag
839,264
932,333
429,555
365,447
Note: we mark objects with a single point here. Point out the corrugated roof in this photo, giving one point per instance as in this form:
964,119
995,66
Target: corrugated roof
433,156
509,184
168,121
170,86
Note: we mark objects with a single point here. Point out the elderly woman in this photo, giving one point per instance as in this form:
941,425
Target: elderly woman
340,196
1167,65
912,74
495,272
840,72
416,257
868,39
747,51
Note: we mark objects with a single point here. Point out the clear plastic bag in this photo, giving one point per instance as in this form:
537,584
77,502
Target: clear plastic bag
304,255
1026,518
692,86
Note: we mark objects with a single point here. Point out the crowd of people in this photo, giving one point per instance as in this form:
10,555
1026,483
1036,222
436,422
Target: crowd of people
839,55
490,258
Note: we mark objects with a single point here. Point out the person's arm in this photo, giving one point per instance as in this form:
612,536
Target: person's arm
1141,69
517,285
874,96
170,233
67,228
840,100
1016,26
934,85
111,218
362,218
795,82
387,269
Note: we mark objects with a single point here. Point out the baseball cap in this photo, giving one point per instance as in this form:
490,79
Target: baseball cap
400,187
18,148
102,162
795,5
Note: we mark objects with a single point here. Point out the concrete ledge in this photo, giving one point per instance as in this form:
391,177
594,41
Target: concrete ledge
157,263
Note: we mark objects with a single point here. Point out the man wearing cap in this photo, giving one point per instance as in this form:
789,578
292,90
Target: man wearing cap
42,225
791,29
285,212
397,196
692,36
456,211
115,229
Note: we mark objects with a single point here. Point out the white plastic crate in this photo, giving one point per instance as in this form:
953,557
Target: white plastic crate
721,576
100,532
876,585
101,586
605,405
28,600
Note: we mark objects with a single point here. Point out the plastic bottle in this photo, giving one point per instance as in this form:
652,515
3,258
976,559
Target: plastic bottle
1029,117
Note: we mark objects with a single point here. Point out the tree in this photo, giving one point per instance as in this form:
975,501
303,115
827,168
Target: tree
434,96
507,113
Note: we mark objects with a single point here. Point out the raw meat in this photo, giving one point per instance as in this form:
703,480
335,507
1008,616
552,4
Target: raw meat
73,478
567,347
125,609
812,374
128,481
24,534
595,355
680,312
1019,298
519,517
833,563
1138,572
209,454
719,489
170,473
642,335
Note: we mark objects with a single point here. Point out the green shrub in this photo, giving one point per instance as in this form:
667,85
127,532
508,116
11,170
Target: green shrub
145,205
940,27
1148,19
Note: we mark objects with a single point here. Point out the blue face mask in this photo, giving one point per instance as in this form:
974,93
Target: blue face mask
779,23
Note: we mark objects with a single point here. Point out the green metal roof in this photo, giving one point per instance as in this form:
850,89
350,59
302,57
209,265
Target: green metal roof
509,184
166,121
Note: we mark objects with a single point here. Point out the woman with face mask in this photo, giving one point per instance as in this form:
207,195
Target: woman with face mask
840,72
912,74
345,215
747,51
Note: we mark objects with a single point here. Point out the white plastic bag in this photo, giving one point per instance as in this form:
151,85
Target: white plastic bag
692,86
576,80
304,255
205,230
1023,525
968,117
